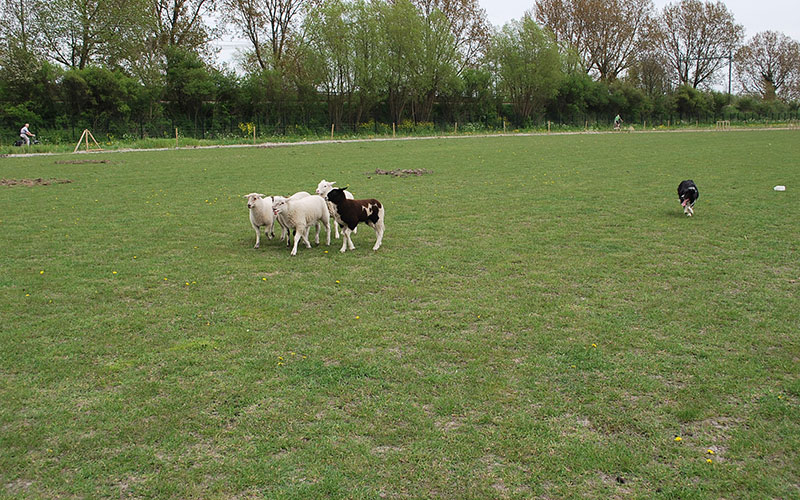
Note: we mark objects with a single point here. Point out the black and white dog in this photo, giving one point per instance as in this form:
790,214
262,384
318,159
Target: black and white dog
688,194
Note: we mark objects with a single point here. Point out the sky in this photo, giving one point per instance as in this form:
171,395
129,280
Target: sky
755,15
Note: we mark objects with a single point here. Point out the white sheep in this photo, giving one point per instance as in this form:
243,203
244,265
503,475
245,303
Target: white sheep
301,214
323,188
261,214
285,230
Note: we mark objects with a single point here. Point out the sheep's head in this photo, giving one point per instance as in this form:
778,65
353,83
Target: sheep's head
252,198
324,187
336,196
279,206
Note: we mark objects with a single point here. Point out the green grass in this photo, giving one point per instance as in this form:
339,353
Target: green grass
541,321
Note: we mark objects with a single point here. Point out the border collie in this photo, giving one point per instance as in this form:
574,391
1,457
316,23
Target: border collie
688,194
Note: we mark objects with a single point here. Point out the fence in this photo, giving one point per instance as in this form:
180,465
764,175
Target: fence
232,132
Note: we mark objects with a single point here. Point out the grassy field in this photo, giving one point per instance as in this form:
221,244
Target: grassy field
541,322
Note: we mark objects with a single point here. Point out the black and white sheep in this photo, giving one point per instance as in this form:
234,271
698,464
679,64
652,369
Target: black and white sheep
323,188
350,212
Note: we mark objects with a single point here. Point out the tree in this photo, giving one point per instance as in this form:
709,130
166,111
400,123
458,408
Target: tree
606,33
528,65
467,23
76,33
267,24
19,54
697,38
769,65
401,29
188,84
327,28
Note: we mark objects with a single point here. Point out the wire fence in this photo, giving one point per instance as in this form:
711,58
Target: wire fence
239,132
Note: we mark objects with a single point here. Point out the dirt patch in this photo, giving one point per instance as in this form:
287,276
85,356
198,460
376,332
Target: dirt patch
80,162
403,172
32,182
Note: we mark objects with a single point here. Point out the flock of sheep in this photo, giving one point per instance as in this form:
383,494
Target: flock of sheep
301,211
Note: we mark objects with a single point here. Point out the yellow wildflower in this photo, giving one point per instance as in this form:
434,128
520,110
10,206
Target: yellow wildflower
678,438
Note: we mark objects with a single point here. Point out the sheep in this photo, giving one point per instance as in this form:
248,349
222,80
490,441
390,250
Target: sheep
282,219
323,188
350,212
301,214
261,215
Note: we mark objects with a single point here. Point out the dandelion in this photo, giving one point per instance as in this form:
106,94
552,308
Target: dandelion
326,251
134,256
710,451
337,282
280,357
304,357
292,353
113,272
27,295
594,345
187,283
358,317
263,279
165,279
678,438
708,460
280,364
41,272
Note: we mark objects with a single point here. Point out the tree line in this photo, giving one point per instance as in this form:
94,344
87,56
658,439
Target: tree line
142,67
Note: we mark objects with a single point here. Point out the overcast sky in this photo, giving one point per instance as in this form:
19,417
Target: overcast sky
755,15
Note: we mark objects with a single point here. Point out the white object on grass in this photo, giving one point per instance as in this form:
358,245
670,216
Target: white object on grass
779,188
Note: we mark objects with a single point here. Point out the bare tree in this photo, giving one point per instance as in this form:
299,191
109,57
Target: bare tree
267,24
605,33
697,38
769,65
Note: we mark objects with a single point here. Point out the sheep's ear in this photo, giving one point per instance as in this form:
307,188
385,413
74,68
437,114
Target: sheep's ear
345,188
333,182
263,195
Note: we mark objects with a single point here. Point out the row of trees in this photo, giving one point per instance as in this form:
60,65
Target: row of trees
143,65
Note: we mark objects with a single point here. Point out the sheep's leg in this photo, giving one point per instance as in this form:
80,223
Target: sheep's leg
297,236
378,227
328,229
305,236
258,235
271,230
345,238
350,238
319,229
335,228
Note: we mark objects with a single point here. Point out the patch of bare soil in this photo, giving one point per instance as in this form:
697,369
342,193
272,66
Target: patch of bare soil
32,182
80,162
403,172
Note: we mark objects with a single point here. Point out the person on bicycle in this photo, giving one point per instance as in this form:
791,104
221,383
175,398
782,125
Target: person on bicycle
25,134
617,122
